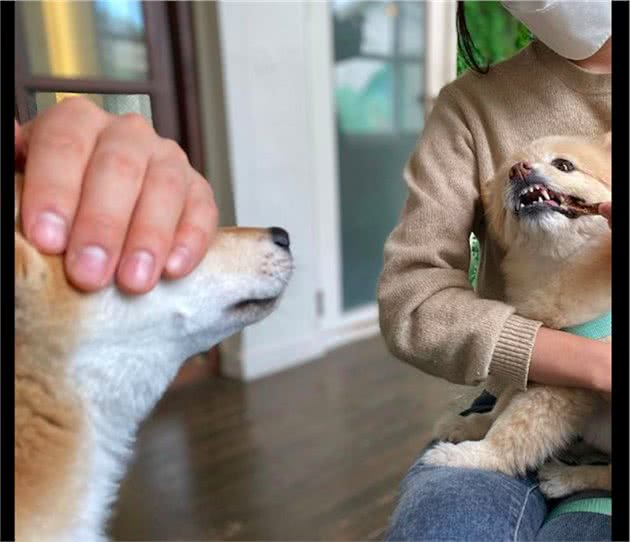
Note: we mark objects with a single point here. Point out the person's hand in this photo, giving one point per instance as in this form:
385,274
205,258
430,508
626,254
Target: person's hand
605,209
112,194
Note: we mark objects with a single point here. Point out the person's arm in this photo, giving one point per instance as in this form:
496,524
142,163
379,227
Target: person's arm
429,314
563,359
118,199
592,367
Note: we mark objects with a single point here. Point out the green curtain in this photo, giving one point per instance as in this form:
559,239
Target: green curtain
497,36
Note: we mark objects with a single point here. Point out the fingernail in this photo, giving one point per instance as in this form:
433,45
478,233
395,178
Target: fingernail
90,265
137,270
49,232
178,260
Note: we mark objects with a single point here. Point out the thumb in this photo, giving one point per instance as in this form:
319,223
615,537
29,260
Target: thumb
605,209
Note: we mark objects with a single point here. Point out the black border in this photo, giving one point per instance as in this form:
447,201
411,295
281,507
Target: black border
620,275
7,374
621,358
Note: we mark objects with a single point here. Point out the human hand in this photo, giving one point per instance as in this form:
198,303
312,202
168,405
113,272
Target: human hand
605,209
116,197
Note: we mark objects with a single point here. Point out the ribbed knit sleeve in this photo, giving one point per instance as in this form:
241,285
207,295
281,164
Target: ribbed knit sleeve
513,351
429,314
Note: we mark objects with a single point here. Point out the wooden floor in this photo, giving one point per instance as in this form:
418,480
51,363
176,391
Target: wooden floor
313,453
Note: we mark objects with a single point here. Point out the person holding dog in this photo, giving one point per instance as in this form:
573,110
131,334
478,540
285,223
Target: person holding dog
429,313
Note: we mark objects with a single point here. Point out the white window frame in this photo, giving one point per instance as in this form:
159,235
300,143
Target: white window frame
338,326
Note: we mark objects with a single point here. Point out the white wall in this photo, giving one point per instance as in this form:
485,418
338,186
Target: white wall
265,83
279,150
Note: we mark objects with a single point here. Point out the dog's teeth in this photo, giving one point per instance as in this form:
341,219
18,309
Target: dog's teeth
540,200
545,195
522,205
531,188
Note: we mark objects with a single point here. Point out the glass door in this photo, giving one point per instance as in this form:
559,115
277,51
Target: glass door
379,50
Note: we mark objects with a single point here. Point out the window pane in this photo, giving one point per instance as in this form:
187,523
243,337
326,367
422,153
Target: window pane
379,62
411,105
364,96
411,28
118,104
374,19
100,39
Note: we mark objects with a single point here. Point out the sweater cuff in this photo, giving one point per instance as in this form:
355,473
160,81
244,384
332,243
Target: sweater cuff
513,351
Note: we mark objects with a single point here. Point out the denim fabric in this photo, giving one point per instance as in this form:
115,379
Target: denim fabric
577,526
442,503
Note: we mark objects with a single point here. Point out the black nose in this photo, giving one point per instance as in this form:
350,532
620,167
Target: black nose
520,171
280,237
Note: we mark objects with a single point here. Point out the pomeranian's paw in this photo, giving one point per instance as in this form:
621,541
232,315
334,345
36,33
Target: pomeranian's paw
468,454
556,481
456,428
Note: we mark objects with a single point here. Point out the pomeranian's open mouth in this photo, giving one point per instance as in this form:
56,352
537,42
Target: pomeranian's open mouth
538,197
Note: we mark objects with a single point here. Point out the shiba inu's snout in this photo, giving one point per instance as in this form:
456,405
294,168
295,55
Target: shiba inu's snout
260,255
90,366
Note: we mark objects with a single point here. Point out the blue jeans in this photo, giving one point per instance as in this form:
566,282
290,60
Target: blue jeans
443,503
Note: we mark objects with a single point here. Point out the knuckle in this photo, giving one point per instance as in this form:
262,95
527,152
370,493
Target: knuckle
206,205
80,103
135,121
118,162
79,107
61,140
172,150
201,190
203,209
171,179
104,227
195,235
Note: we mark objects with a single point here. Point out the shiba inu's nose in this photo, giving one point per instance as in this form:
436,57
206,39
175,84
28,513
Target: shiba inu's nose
520,171
280,237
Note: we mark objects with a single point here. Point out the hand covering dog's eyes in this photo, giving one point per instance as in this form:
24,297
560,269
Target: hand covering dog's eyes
563,165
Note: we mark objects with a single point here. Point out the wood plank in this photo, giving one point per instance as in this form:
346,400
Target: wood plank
312,453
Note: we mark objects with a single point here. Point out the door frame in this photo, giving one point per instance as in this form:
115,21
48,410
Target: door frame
338,326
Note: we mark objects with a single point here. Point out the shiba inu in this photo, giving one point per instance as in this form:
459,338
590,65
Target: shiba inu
90,367
541,208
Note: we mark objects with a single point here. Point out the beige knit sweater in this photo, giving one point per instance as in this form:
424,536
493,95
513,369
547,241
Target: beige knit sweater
429,314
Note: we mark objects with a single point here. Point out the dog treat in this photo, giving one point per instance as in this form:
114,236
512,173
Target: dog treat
578,208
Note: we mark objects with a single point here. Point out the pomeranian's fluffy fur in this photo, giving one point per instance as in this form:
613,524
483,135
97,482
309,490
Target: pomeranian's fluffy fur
541,208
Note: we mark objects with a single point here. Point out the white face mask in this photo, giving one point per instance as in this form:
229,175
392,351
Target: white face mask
573,29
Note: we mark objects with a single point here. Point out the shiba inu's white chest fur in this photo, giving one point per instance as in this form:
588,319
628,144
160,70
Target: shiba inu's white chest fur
89,368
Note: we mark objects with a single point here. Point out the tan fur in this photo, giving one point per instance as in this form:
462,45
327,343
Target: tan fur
561,278
54,433
49,420
48,417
